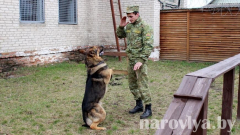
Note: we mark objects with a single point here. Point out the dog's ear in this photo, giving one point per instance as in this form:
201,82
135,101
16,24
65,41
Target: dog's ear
101,50
82,51
92,53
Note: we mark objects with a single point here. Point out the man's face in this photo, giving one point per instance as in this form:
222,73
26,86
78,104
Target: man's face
132,17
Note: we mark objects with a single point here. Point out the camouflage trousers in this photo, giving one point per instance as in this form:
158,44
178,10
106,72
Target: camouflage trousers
138,83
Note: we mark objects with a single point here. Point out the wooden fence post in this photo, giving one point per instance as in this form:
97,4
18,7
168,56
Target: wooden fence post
188,34
227,102
115,28
202,116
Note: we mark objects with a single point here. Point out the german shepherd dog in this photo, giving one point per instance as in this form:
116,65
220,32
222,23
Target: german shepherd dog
98,77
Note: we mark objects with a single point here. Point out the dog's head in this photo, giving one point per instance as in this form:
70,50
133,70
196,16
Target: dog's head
92,55
94,51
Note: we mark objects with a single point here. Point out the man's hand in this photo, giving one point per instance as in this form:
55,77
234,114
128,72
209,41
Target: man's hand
123,22
137,66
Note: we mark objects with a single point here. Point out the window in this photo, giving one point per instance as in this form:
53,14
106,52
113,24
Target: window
32,10
67,11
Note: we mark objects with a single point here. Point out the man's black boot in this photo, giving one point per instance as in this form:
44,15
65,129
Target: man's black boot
147,112
138,107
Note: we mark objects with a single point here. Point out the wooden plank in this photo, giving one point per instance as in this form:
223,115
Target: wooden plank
115,53
175,58
173,36
175,52
206,60
188,34
205,31
227,102
238,108
115,28
208,30
187,96
202,116
224,10
215,48
193,107
219,57
214,56
120,72
205,112
177,105
217,69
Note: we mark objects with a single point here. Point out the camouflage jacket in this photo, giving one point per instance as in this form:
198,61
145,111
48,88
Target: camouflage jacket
139,40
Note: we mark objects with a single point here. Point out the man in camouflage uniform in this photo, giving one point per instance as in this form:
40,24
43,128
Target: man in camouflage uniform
139,47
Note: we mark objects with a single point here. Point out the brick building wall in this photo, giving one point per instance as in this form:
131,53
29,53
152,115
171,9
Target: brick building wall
34,41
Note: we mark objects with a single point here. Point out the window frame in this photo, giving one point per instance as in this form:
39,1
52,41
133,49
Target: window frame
68,23
174,2
43,13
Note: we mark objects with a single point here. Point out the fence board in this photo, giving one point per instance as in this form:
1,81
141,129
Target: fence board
193,107
220,68
115,53
227,102
173,36
201,117
177,105
204,36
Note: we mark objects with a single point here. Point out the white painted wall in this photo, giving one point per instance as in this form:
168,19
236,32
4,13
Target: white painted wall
149,11
17,36
94,26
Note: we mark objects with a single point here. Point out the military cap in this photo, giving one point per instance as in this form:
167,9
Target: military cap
131,9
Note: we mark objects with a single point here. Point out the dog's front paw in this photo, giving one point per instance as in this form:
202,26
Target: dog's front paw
103,128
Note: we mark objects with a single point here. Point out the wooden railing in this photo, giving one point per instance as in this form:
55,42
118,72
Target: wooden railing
191,98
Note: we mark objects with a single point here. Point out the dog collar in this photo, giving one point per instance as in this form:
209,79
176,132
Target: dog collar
96,68
101,62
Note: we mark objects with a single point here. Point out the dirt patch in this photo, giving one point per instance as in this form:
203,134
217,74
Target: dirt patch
7,65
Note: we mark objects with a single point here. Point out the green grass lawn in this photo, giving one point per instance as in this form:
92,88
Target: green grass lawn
47,99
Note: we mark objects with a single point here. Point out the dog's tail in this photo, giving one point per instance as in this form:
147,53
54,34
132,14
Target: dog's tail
84,114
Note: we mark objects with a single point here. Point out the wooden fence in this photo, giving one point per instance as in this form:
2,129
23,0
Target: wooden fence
199,35
191,98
